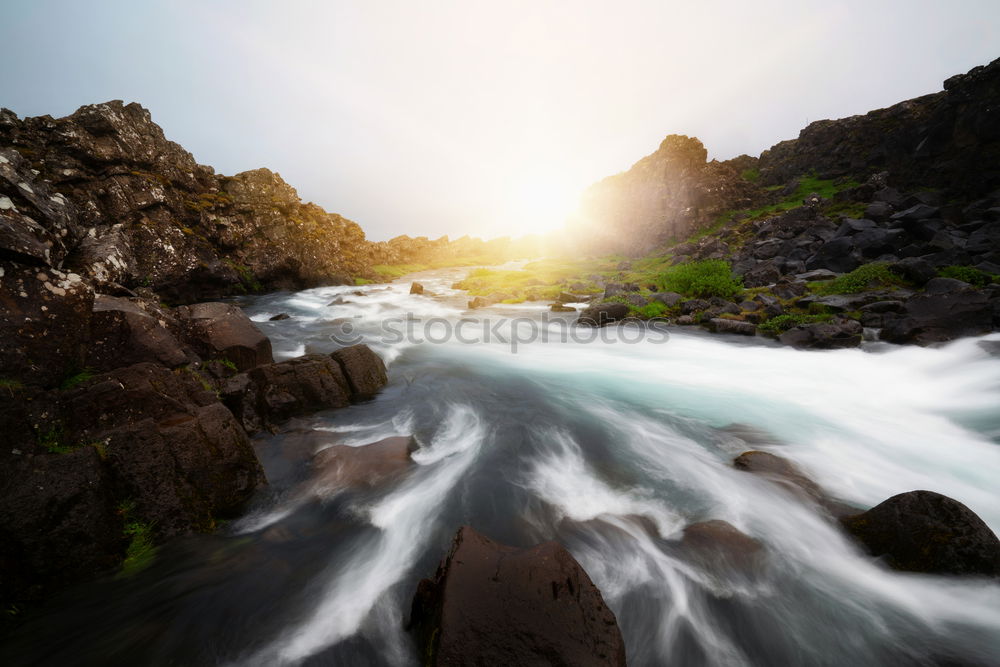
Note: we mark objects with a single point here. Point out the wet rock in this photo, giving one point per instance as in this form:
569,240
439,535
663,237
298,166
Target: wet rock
560,308
365,371
271,394
923,531
366,465
491,604
279,317
480,302
223,331
722,545
124,333
603,313
723,325
836,334
686,320
416,288
786,474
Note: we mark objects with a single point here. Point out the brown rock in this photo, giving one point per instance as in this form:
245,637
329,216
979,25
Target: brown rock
123,333
491,604
367,465
365,370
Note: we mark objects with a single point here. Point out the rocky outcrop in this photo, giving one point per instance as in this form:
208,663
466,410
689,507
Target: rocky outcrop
665,195
491,604
923,531
948,140
223,331
116,202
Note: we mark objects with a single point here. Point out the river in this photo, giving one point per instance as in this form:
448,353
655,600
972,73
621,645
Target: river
611,446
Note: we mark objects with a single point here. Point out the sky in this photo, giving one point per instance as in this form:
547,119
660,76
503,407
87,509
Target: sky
490,118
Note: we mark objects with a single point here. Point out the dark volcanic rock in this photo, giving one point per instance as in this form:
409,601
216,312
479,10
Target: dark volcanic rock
223,331
274,393
721,545
786,474
44,324
935,317
923,531
491,604
124,332
824,335
723,325
603,313
279,317
365,371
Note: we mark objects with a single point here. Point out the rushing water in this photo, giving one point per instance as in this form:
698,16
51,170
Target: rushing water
609,446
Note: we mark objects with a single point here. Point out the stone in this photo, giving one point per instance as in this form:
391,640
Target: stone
416,288
914,269
942,315
279,317
124,333
669,299
603,313
923,531
837,255
727,326
365,371
492,604
824,335
365,466
560,308
721,545
223,331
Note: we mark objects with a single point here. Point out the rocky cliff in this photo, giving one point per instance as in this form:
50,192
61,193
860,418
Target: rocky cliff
948,142
103,194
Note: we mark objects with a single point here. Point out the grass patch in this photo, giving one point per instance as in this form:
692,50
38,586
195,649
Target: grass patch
650,310
752,174
825,188
969,274
868,276
227,363
542,280
393,271
704,279
782,323
362,281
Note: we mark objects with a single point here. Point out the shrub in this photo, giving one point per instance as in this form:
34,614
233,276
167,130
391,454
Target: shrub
704,279
650,310
969,274
868,276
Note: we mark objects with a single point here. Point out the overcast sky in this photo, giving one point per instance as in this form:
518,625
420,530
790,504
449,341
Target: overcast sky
434,117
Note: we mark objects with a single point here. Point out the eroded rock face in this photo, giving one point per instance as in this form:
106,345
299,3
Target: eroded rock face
491,604
129,331
923,531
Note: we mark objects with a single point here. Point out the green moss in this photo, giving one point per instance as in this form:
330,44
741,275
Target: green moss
969,274
77,379
807,185
782,323
752,174
704,279
141,549
868,276
362,281
229,364
651,310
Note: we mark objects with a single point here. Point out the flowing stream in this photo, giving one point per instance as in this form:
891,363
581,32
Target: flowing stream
611,446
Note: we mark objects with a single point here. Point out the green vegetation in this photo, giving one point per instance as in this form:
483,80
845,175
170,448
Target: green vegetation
247,278
969,274
10,386
52,440
393,271
782,323
141,549
362,281
868,276
807,185
651,310
704,279
537,281
229,364
752,174
77,379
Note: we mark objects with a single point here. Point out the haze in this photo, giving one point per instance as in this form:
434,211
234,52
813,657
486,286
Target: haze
430,118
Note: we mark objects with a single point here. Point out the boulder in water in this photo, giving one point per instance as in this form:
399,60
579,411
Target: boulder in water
603,313
364,370
721,545
492,604
560,308
416,288
923,531
367,465
279,317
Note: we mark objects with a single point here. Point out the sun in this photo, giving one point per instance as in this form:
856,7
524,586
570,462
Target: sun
540,205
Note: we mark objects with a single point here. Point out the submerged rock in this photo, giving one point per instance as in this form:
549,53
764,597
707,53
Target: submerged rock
492,604
416,288
721,545
923,531
366,465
